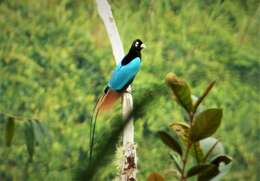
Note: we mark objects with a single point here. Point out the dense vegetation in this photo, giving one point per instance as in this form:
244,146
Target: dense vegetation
55,59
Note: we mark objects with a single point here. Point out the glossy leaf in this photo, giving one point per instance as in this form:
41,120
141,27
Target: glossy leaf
209,173
182,130
38,131
181,91
197,169
170,142
211,148
221,158
176,163
223,169
155,177
216,169
205,124
9,131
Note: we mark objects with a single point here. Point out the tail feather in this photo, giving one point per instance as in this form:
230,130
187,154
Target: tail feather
104,103
107,101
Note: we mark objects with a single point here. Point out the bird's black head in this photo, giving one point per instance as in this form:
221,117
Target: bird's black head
135,51
137,45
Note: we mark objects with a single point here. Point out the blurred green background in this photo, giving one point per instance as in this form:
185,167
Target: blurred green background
55,60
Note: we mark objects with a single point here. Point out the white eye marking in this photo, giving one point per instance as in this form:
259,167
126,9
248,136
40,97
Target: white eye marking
136,43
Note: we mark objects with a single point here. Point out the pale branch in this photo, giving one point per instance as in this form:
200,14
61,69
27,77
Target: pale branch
106,15
128,171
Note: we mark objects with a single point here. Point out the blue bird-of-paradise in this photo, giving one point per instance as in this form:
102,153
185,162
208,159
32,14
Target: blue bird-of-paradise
122,76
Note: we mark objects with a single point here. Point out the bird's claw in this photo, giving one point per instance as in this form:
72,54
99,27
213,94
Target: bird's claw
127,92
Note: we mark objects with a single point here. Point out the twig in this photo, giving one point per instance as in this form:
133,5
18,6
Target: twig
203,96
19,117
196,153
185,160
210,150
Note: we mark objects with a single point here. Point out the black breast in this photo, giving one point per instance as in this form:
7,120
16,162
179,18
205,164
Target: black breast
130,56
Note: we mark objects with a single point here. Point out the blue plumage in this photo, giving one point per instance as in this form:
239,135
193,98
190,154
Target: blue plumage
124,74
121,78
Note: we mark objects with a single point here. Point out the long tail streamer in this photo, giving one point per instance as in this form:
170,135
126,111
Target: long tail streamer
104,103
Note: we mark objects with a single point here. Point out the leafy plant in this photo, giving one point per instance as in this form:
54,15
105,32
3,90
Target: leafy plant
193,137
34,132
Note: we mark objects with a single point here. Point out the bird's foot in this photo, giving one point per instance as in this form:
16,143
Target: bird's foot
127,92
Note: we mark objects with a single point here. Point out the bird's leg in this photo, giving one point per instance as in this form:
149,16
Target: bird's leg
127,92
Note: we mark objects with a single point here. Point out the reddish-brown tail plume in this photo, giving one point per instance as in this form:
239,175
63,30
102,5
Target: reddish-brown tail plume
106,102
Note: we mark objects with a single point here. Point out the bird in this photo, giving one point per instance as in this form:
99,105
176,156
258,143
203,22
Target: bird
122,76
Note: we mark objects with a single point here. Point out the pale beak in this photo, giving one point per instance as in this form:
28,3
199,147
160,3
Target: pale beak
143,45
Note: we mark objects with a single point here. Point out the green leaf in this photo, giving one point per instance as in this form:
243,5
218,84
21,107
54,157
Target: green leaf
181,91
205,124
209,173
155,177
29,138
223,169
211,148
217,168
170,141
182,130
9,131
176,162
221,158
38,131
197,169
223,162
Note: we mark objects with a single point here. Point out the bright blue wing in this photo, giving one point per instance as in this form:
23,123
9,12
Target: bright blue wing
123,74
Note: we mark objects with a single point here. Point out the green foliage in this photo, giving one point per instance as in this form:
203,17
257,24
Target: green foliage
176,162
209,173
197,169
55,60
201,126
170,141
30,138
182,130
9,131
211,147
221,158
205,124
181,91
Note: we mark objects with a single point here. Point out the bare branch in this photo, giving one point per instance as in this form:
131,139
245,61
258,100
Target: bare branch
129,163
203,96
